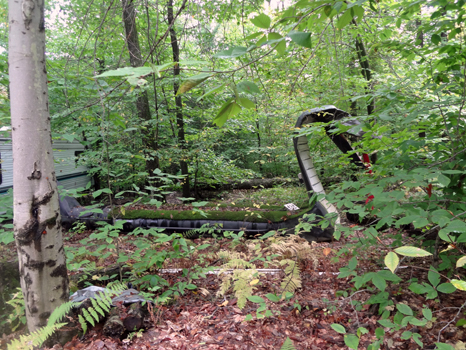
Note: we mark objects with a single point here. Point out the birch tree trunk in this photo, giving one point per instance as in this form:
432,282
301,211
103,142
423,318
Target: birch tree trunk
38,235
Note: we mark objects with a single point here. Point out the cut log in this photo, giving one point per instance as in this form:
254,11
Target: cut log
134,319
114,327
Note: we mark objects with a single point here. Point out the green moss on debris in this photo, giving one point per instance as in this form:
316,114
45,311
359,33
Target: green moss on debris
247,216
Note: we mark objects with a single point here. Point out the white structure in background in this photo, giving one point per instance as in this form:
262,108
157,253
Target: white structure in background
69,174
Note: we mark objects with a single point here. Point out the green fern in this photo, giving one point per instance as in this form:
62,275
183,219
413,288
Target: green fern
34,339
288,345
102,302
91,315
60,312
292,280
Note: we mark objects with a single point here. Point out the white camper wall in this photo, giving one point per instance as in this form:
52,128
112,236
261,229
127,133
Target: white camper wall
69,174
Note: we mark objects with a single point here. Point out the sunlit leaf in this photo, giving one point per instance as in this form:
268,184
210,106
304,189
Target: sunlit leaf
412,251
461,261
231,52
338,328
193,81
301,38
246,103
461,285
228,110
247,86
261,21
275,38
391,261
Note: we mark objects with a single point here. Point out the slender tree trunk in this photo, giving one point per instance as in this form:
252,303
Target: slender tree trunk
142,103
178,102
38,233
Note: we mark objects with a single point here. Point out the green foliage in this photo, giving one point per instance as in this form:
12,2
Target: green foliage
288,345
100,305
17,316
35,339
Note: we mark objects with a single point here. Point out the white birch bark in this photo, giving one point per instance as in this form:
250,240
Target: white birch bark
37,227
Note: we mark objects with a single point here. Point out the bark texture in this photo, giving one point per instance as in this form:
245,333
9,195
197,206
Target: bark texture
37,227
142,102
178,102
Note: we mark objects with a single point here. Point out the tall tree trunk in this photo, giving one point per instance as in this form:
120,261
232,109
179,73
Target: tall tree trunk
178,103
38,233
142,102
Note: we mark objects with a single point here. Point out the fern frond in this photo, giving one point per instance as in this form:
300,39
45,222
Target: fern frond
292,280
238,264
60,312
34,339
88,317
288,345
225,285
83,323
242,286
227,255
96,306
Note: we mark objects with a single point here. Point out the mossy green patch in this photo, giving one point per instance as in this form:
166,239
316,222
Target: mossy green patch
247,215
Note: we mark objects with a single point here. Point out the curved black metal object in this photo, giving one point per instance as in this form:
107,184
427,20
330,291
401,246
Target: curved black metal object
326,114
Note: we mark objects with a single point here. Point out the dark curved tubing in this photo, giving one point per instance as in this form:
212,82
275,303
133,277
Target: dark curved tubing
312,182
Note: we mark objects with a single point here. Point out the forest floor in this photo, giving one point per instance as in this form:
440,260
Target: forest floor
201,319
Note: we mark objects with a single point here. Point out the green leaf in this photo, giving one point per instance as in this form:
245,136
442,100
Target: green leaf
456,226
353,263
379,333
443,180
392,261
69,138
256,299
281,43
232,52
261,21
461,322
211,91
301,38
404,309
193,81
433,276
253,36
461,285
412,251
246,103
446,288
120,72
417,288
386,323
358,11
379,282
406,335
442,346
338,328
228,110
427,314
416,322
461,261
351,341
248,87
273,297
345,18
